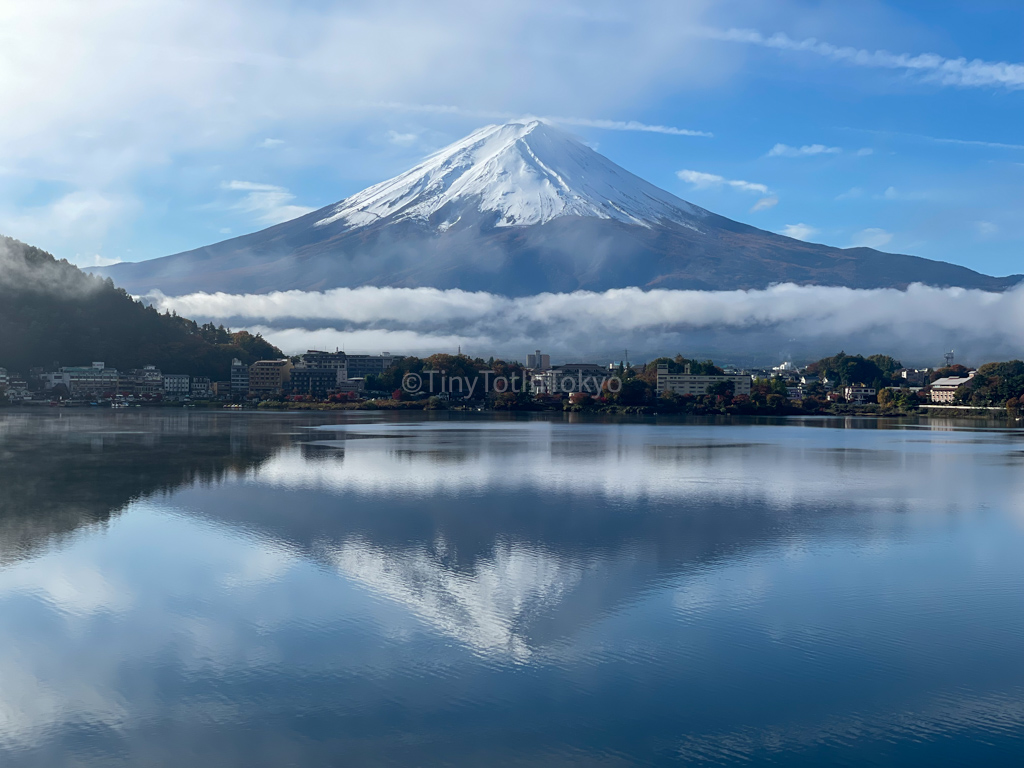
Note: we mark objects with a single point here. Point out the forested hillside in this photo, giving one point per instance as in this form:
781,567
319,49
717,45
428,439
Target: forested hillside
52,313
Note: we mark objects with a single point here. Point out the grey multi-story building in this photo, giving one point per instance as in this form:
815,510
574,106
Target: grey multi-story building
316,359
538,362
143,381
239,377
318,382
361,366
201,387
346,365
177,385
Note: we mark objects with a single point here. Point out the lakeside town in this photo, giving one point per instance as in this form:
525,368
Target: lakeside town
322,379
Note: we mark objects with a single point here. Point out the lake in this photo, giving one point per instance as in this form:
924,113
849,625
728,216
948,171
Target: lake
180,587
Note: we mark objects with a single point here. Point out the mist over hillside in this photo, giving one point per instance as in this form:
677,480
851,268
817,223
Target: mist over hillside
52,313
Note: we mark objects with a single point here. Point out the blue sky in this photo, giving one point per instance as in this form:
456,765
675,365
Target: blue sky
134,131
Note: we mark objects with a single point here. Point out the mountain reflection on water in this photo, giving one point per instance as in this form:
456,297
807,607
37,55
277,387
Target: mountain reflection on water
268,589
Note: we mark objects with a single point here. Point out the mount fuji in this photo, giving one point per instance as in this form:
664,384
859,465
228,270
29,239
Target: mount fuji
522,209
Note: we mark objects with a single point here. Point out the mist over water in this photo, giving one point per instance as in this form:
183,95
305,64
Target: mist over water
747,327
276,589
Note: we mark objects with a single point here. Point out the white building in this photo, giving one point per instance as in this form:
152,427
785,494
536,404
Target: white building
17,390
177,385
858,393
944,390
95,379
569,378
697,384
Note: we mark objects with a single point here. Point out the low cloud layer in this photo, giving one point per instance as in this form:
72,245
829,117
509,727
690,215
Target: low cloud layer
746,327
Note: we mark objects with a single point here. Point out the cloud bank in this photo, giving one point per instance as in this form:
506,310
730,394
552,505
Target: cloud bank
739,326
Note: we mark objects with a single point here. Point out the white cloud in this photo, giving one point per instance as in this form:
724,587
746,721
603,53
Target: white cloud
271,143
851,194
488,114
420,320
764,203
83,215
987,228
628,125
268,203
701,180
799,231
97,261
402,139
892,193
807,150
138,84
865,151
959,72
872,237
941,140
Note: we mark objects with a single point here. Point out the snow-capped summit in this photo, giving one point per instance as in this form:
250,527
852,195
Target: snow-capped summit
522,209
524,173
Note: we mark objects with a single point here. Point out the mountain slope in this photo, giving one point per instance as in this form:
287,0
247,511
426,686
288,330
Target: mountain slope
521,209
53,313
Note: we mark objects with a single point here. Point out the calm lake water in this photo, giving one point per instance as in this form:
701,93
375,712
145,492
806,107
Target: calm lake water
239,589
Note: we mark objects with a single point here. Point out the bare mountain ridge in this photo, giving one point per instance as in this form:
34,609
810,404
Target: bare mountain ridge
522,209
